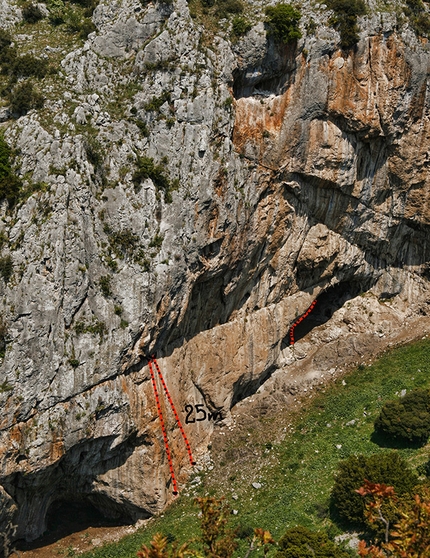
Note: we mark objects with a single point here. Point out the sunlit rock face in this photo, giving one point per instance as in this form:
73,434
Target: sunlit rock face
297,173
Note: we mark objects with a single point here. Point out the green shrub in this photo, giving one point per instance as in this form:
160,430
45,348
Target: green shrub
157,241
93,150
283,20
388,468
424,469
24,98
28,66
74,362
105,285
418,17
5,40
6,268
95,328
3,335
56,11
407,419
240,26
157,102
143,128
146,168
87,27
300,542
10,185
123,242
31,13
225,7
344,20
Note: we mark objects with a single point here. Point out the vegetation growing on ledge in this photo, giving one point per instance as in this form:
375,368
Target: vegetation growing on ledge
283,20
147,168
344,20
418,17
10,185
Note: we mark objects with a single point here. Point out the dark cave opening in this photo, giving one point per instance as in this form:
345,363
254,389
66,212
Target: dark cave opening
327,303
68,516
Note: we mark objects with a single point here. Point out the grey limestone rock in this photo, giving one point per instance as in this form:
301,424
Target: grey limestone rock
191,197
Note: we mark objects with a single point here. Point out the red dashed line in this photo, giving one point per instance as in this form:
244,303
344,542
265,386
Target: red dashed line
166,391
299,320
163,428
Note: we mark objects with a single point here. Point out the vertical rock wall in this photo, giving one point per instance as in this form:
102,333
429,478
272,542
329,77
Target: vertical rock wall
301,174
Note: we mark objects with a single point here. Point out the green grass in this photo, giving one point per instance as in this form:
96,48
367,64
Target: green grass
298,476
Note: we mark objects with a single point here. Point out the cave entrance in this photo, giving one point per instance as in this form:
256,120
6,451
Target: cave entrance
67,517
327,303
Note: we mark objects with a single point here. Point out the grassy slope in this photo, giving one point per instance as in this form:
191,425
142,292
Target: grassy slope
299,472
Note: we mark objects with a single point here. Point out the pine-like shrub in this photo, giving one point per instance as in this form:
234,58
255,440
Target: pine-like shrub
407,419
24,97
300,542
388,468
344,20
31,13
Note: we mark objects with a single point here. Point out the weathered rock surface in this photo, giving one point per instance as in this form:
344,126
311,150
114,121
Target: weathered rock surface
302,174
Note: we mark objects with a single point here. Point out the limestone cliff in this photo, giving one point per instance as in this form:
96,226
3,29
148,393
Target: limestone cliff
191,195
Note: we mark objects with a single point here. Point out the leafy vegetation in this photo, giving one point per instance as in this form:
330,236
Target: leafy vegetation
300,542
406,419
240,26
147,168
344,20
283,20
124,244
10,185
6,268
410,537
31,13
3,335
418,17
24,97
105,285
216,540
389,468
96,327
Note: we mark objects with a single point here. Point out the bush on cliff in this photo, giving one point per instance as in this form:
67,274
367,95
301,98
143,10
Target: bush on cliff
31,13
344,20
10,185
24,97
283,20
418,17
406,420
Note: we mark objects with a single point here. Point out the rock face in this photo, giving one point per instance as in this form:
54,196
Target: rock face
302,174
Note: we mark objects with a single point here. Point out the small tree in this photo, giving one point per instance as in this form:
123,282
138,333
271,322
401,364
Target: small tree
388,468
410,537
406,420
300,542
283,20
344,20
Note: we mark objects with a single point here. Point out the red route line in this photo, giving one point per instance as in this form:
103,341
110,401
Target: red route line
181,428
163,429
300,319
